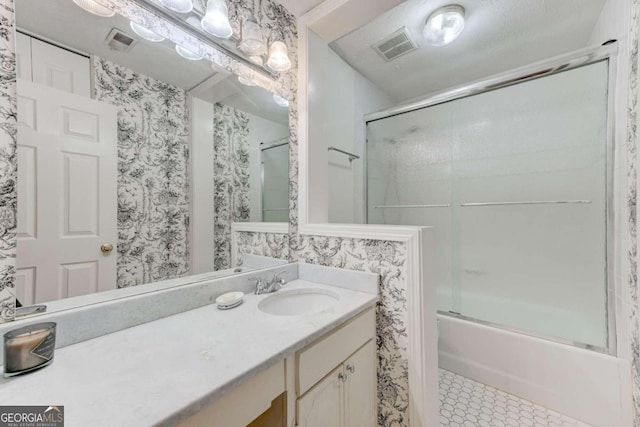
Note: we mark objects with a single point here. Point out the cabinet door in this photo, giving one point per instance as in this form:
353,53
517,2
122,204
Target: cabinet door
60,69
360,388
322,405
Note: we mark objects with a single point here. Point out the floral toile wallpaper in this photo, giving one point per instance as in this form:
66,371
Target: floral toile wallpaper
231,178
153,180
631,199
273,245
8,161
388,259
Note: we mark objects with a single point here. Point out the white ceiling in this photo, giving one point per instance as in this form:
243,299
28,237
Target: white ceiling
499,35
299,7
65,24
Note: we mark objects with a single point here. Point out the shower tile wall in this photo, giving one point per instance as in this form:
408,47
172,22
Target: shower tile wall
529,266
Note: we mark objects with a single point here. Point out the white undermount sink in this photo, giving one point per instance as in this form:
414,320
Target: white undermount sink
296,302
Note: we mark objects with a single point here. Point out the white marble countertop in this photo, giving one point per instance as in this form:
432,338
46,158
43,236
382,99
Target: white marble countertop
164,371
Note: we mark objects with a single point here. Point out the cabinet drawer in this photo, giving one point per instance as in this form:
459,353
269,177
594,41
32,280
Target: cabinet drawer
244,404
321,357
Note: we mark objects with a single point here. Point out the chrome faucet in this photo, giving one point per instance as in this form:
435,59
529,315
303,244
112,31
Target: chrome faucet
269,286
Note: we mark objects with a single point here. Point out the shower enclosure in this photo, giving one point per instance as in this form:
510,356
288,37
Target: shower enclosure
274,163
515,177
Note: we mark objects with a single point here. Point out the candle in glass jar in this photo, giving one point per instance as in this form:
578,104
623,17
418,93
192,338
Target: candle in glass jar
29,348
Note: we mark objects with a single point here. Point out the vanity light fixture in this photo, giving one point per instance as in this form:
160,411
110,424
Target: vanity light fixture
246,77
180,6
278,57
97,7
246,80
280,101
146,33
188,54
252,42
257,59
444,25
216,19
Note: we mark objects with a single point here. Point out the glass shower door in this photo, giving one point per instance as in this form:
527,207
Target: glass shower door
275,183
514,181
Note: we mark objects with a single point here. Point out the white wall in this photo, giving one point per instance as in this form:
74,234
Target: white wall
201,186
337,119
261,130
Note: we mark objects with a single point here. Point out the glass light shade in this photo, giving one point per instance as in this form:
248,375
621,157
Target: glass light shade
252,42
246,80
216,20
180,6
97,7
278,57
188,54
280,101
444,25
146,33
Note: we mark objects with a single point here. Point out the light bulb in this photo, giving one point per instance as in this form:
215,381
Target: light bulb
278,57
444,25
188,54
252,42
97,7
180,6
216,20
280,101
146,33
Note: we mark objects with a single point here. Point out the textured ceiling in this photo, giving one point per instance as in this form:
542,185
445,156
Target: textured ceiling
65,23
62,22
499,35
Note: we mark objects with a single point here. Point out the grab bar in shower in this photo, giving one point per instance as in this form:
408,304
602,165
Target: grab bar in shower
352,156
530,202
411,206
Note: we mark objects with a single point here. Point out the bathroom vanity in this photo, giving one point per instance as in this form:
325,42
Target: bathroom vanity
304,355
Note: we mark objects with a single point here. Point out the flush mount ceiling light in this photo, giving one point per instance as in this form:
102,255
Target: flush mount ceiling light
180,6
216,20
280,101
252,42
97,7
278,57
444,25
146,33
188,54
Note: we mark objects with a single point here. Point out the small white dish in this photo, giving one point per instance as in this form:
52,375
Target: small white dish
229,300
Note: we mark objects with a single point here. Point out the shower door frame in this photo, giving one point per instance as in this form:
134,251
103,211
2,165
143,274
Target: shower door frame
580,58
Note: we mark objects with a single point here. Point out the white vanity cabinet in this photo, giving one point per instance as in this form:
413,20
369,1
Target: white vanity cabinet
337,377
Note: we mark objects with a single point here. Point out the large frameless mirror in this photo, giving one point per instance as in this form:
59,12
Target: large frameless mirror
135,155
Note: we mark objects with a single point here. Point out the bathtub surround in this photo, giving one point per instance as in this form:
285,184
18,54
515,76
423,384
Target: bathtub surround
231,178
8,161
153,181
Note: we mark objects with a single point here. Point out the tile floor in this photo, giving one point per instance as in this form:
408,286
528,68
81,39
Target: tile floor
467,403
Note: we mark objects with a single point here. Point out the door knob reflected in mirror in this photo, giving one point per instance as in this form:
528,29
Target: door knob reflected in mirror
106,248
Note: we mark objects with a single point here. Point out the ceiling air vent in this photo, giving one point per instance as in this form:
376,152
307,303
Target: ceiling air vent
119,41
396,45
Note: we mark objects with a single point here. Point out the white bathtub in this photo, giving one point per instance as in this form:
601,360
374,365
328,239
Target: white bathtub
586,385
